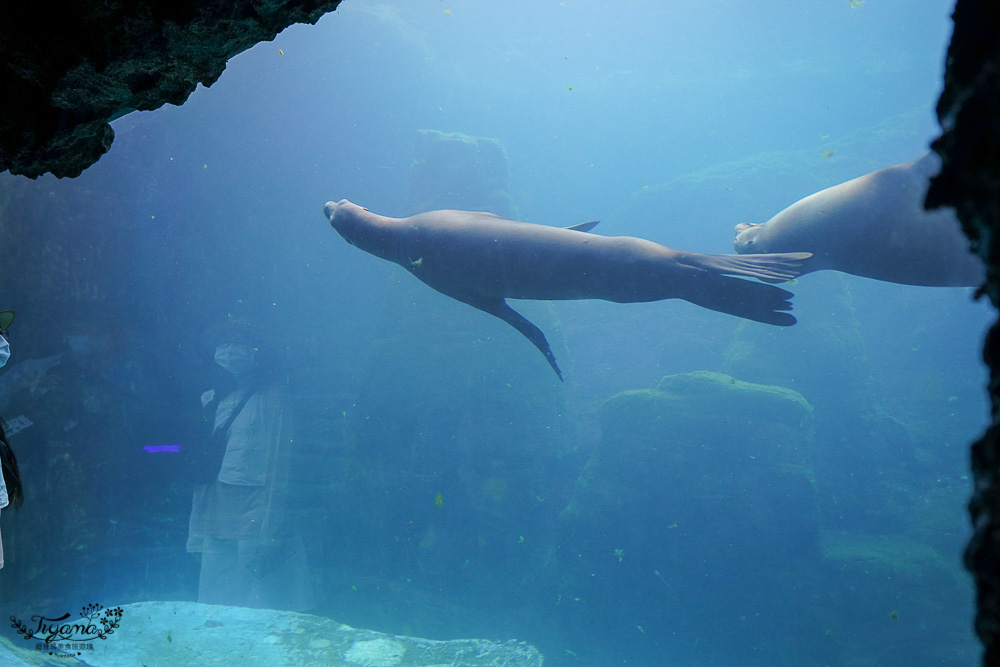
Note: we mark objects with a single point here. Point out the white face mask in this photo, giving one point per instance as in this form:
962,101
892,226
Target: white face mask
235,358
4,350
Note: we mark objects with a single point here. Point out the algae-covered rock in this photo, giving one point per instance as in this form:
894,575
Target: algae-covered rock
881,558
699,499
897,587
861,450
705,442
70,70
704,448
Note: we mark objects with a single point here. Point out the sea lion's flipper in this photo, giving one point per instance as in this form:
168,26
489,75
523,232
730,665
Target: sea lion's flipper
584,226
772,268
743,298
500,309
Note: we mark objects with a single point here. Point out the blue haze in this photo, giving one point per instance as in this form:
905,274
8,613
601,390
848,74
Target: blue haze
672,121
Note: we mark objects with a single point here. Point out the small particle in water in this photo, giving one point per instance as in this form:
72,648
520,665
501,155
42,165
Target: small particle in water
439,500
447,12
894,615
417,262
280,52
213,624
828,153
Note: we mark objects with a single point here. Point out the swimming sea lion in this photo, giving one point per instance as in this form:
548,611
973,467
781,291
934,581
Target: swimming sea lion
481,259
876,227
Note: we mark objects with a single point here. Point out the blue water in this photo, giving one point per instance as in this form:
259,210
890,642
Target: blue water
669,121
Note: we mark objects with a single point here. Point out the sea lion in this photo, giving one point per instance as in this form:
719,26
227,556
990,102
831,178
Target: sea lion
874,226
482,259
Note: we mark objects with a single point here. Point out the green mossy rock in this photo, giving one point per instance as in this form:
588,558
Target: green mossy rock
704,448
706,418
881,558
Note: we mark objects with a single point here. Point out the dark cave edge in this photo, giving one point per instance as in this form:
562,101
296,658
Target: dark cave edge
969,113
66,75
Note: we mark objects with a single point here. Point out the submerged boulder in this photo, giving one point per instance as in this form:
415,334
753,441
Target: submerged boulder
188,633
710,448
700,500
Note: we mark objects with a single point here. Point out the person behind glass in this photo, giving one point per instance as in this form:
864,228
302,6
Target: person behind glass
244,522
10,481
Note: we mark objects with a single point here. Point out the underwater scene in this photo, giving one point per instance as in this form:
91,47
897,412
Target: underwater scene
246,435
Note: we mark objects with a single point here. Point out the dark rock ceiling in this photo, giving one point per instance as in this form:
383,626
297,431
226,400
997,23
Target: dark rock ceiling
70,68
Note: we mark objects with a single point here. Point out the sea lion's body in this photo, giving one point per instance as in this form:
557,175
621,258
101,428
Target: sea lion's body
874,226
482,259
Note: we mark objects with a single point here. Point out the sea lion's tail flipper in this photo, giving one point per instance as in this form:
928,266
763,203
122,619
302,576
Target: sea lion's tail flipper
744,298
528,330
772,268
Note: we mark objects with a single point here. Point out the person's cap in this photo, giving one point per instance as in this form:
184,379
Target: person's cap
6,317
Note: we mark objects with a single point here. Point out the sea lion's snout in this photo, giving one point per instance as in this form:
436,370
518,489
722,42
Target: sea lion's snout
746,233
333,208
343,216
